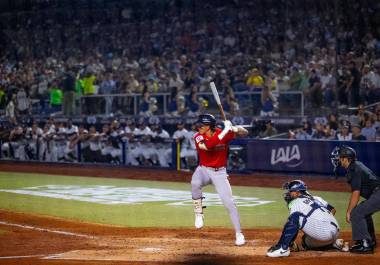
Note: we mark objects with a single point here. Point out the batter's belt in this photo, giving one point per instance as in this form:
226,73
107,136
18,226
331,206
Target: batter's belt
214,168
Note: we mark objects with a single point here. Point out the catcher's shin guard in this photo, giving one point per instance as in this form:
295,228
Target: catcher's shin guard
198,210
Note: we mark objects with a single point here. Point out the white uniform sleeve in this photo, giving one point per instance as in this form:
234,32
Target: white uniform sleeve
321,201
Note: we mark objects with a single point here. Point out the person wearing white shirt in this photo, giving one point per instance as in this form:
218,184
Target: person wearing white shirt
344,134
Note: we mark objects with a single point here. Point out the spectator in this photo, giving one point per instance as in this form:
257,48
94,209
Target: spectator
353,87
369,131
23,104
344,134
332,122
255,81
2,98
368,84
330,134
319,131
269,131
42,92
192,101
88,83
10,110
68,87
315,90
327,86
268,102
144,105
108,87
55,98
230,103
356,133
305,132
343,87
361,116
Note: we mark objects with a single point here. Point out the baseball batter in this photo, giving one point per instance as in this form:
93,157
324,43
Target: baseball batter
212,148
311,214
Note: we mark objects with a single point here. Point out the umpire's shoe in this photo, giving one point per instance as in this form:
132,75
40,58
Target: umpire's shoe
362,247
277,251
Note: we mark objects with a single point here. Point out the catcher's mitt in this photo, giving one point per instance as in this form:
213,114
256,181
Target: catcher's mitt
294,247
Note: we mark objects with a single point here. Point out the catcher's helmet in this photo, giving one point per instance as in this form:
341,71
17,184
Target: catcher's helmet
207,119
294,185
343,151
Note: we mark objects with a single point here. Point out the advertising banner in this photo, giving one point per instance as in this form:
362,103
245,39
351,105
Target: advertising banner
305,156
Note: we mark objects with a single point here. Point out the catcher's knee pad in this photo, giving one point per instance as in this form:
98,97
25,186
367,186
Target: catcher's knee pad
198,206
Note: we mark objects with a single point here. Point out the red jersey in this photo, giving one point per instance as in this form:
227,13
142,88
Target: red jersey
216,155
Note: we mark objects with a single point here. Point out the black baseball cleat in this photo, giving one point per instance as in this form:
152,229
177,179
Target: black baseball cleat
374,244
362,247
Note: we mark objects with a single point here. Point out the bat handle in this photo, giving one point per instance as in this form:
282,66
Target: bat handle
222,112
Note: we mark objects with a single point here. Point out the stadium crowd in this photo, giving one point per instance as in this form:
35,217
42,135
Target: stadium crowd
57,51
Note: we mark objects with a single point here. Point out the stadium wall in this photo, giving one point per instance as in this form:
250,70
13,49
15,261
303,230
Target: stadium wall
305,156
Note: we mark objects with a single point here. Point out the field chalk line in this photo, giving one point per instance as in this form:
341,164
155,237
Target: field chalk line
22,257
46,230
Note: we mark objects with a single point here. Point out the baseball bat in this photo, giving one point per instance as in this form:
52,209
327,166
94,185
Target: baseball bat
217,99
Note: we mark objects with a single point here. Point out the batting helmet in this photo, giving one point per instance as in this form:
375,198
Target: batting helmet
207,119
294,185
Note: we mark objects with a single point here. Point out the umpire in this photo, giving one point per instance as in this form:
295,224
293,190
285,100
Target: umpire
363,183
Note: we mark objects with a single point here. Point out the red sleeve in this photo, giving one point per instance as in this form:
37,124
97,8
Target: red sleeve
213,141
228,137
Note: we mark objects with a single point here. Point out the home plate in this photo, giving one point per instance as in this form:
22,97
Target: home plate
151,250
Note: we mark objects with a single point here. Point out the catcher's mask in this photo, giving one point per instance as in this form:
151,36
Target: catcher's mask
339,152
294,185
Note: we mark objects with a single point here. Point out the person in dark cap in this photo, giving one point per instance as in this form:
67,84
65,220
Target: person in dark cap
356,133
364,183
270,130
344,134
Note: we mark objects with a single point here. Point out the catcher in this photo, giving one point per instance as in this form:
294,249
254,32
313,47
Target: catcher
312,215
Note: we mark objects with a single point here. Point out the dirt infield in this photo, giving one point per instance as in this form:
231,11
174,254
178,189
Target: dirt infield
34,239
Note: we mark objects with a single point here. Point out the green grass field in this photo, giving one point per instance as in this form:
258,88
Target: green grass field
108,201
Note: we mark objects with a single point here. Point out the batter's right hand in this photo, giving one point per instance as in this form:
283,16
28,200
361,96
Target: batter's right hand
227,123
227,128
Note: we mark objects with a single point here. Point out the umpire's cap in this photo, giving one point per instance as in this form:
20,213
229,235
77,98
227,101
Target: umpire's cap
207,119
346,151
295,185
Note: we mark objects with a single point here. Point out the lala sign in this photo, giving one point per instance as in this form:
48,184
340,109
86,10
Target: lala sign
286,155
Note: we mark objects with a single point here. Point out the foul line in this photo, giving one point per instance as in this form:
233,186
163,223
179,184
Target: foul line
21,257
46,230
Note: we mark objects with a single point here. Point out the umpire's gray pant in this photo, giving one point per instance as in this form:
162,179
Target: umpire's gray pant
361,217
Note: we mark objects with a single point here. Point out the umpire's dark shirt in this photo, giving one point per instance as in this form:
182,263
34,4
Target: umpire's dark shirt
362,178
